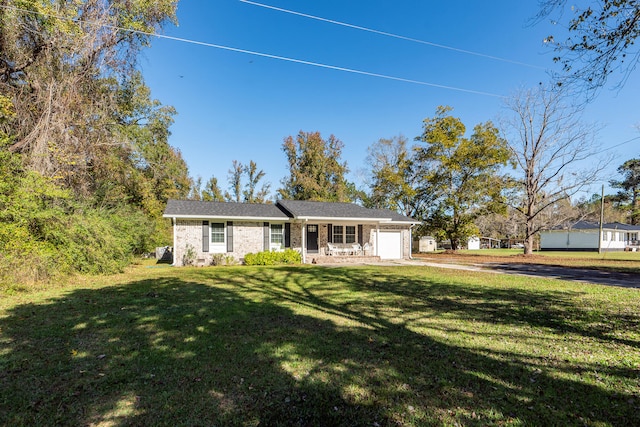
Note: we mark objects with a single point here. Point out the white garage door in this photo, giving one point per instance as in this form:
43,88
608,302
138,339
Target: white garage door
390,244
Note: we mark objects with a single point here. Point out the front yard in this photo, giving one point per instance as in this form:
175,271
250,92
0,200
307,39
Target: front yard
308,346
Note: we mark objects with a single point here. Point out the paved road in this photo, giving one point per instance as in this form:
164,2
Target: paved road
584,275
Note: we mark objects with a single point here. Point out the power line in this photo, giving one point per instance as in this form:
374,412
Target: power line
265,55
622,143
397,36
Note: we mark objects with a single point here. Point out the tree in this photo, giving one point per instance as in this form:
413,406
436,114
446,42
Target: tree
500,226
462,173
86,161
630,188
615,209
315,170
547,140
211,191
249,193
601,40
235,183
61,64
396,177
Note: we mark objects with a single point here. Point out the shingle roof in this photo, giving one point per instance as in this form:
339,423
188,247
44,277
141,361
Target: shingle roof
195,208
335,210
585,225
282,210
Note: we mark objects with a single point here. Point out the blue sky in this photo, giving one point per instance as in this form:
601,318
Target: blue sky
239,106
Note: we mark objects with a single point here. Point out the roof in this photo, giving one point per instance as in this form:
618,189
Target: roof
585,225
200,209
283,210
331,211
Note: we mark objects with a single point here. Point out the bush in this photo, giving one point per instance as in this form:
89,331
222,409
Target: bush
189,257
45,232
288,256
222,259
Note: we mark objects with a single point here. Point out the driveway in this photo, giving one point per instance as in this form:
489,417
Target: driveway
583,275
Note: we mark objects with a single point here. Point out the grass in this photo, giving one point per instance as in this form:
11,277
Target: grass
306,346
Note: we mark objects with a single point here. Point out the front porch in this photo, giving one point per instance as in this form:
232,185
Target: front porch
342,259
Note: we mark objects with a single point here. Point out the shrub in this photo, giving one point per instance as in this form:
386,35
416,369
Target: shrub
222,259
288,256
189,257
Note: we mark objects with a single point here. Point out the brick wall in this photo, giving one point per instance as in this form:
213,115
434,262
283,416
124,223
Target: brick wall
248,237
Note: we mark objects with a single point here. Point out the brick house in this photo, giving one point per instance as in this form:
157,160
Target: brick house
312,228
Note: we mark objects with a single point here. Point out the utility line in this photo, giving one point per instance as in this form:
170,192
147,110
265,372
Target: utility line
620,144
397,36
264,55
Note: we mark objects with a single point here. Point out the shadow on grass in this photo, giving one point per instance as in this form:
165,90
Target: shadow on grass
289,346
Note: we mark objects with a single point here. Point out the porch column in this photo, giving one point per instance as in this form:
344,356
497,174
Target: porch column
304,242
377,239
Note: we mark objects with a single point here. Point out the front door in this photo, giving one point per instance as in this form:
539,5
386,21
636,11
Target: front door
312,238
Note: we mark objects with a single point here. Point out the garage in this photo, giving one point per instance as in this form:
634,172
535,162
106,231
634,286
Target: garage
390,244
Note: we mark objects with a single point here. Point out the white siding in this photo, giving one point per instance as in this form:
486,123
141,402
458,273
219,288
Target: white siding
473,243
581,240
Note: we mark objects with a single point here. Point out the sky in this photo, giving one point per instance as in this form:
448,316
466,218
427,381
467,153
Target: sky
223,68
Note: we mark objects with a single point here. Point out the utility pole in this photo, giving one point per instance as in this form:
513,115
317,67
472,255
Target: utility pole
601,220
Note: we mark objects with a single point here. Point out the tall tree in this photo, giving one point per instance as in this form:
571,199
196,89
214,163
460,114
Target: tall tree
315,169
630,188
462,173
396,178
211,191
615,209
60,62
601,38
547,140
251,193
235,183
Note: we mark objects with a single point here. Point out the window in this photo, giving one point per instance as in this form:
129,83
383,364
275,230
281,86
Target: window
350,234
217,233
604,236
338,234
277,235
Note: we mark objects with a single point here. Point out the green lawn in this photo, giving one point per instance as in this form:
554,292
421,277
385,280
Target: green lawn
309,346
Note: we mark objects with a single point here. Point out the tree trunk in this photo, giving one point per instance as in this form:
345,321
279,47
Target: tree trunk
528,240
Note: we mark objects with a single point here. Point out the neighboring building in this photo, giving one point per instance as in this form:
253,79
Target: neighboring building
235,229
473,243
425,244
585,236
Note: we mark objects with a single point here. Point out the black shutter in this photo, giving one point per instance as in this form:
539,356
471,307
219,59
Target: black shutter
360,237
266,236
330,233
287,235
205,236
229,236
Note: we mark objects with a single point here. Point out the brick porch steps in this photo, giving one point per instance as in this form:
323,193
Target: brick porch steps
342,259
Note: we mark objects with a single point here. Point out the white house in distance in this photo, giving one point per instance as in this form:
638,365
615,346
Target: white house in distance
316,229
585,236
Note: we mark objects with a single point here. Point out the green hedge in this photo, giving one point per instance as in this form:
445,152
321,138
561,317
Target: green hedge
288,256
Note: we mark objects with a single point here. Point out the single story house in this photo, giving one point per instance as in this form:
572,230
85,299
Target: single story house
235,229
585,236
